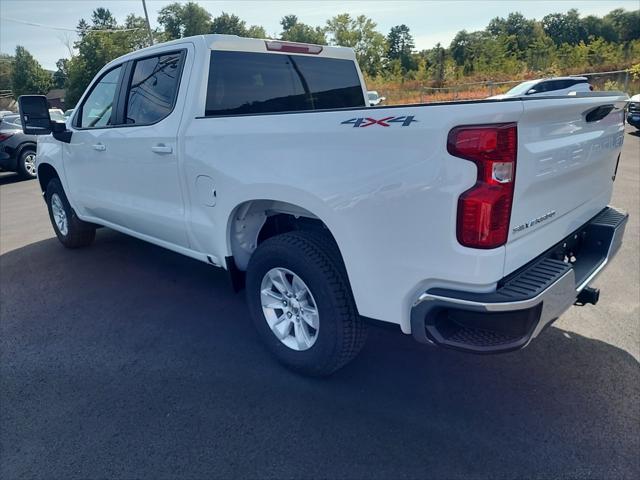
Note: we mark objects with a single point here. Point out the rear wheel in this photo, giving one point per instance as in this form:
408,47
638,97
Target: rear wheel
70,230
27,164
301,303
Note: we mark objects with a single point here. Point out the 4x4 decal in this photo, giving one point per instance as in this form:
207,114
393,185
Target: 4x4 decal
383,122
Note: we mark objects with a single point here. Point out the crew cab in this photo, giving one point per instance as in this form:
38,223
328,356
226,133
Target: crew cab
470,225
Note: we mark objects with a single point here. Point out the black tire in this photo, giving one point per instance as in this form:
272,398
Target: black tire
314,257
79,233
25,168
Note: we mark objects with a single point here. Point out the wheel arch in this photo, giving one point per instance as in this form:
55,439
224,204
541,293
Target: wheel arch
253,221
46,172
25,146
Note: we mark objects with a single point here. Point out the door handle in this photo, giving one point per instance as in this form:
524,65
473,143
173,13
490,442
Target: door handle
162,148
99,147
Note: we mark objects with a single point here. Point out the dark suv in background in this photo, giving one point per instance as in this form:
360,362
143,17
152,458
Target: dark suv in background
17,150
633,111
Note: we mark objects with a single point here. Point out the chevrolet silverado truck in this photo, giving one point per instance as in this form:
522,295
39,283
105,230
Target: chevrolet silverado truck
470,225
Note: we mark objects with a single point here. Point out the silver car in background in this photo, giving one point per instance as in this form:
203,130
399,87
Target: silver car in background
556,86
374,99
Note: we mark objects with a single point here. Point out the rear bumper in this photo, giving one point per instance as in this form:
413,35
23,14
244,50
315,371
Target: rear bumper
526,301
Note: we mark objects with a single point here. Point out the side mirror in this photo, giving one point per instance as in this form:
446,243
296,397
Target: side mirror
34,114
35,118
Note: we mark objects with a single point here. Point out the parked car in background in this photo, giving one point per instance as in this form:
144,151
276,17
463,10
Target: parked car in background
556,86
633,111
17,150
57,115
5,112
374,98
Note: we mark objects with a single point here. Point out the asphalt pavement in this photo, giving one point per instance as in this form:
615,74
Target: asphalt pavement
125,360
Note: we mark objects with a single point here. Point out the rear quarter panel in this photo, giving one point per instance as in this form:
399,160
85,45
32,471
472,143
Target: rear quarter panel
387,193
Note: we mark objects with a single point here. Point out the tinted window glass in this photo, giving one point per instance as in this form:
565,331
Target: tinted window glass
244,82
542,87
573,83
97,108
153,89
333,83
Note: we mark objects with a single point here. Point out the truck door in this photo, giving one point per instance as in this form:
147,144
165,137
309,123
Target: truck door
134,172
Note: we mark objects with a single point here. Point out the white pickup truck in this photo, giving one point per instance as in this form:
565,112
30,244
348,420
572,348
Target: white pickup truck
471,225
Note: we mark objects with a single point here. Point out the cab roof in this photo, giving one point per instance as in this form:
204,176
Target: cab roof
216,41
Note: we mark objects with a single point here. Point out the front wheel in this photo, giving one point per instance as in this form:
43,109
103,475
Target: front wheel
70,230
301,303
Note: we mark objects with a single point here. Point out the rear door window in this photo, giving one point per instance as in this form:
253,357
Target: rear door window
153,88
248,83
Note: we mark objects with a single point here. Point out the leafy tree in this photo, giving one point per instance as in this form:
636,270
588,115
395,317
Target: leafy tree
295,31
256,31
627,24
60,75
288,22
436,58
516,28
103,19
6,71
184,20
170,17
460,47
468,49
564,27
195,20
136,38
400,46
360,34
28,76
595,27
231,24
541,53
602,53
82,28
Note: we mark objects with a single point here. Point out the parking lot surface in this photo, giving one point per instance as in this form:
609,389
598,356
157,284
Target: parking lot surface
125,360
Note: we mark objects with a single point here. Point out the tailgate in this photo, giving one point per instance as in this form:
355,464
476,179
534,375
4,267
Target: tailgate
565,169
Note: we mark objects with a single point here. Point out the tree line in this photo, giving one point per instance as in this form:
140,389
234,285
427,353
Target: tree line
515,45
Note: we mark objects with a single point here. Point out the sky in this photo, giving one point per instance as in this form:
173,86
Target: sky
430,22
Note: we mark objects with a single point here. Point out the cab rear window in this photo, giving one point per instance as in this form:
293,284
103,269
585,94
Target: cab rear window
249,83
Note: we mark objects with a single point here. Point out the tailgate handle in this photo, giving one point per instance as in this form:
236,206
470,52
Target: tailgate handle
598,113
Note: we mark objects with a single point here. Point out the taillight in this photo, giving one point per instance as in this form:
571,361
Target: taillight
278,46
484,211
4,136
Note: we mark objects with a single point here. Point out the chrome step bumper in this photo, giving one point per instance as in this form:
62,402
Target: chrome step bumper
526,301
